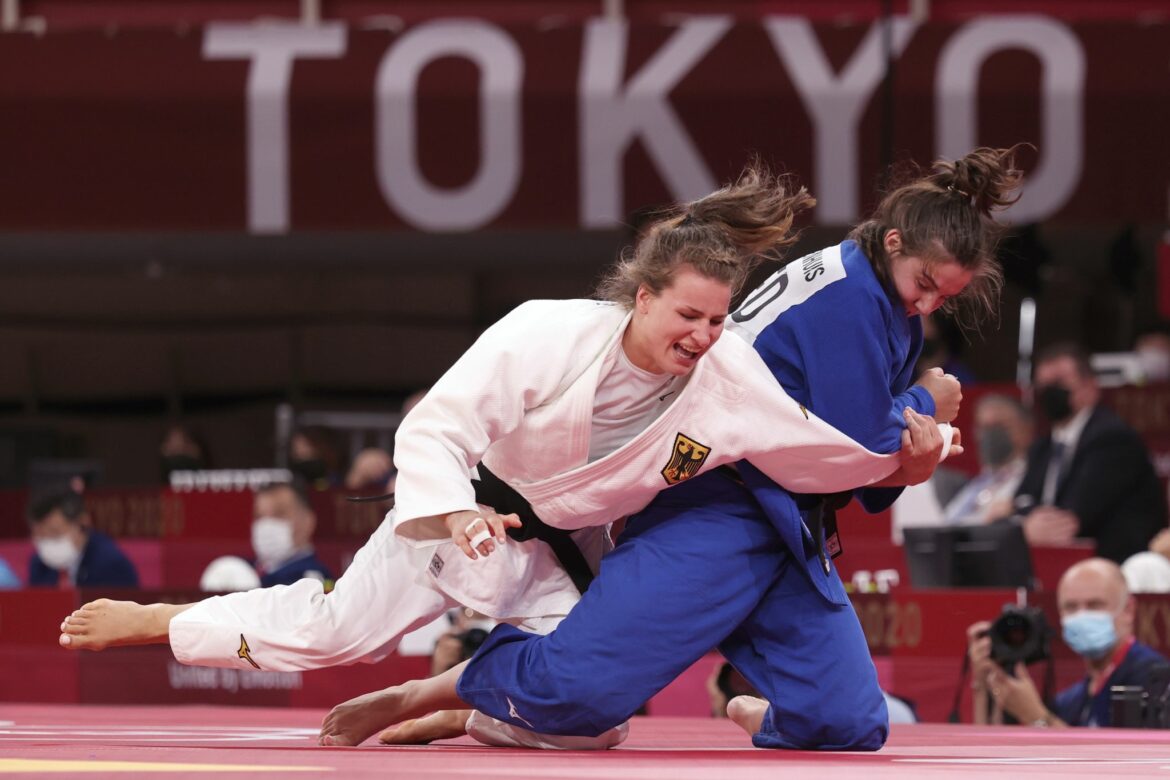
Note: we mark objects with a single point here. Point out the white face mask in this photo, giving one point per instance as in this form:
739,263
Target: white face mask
58,553
272,540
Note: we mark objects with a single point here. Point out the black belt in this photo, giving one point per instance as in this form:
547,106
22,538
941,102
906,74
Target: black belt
823,521
498,494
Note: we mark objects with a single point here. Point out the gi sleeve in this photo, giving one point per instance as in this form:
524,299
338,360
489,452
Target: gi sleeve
516,365
796,449
839,353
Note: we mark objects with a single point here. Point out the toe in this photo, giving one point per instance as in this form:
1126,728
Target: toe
65,640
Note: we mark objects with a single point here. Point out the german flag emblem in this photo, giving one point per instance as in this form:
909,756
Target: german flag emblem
686,460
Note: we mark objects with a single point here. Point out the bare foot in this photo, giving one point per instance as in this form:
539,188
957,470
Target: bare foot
353,722
747,712
445,724
105,623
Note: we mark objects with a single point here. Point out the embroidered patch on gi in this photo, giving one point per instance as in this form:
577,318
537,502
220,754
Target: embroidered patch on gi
245,652
436,565
686,459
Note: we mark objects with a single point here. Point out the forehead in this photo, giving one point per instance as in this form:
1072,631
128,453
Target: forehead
948,276
996,412
1088,588
54,523
275,501
1062,367
993,413
691,287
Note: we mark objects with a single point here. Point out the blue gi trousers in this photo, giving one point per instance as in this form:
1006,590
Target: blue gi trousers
701,565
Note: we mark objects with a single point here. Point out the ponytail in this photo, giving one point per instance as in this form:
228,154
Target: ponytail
723,235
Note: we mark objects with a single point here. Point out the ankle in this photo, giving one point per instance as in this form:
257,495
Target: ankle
157,625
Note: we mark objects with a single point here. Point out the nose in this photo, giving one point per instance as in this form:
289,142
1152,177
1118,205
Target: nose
927,303
702,336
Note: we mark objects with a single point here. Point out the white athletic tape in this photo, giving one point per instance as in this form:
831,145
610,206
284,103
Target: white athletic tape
481,537
947,433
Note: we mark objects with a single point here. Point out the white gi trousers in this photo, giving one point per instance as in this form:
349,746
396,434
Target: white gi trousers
383,595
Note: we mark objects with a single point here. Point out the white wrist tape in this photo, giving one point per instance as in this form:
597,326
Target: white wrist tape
947,433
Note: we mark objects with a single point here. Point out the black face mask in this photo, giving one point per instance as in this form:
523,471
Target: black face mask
311,470
1054,401
995,445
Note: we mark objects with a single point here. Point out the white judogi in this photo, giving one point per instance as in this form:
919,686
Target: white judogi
521,399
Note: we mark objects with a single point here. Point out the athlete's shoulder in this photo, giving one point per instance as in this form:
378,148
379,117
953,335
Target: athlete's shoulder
554,318
583,307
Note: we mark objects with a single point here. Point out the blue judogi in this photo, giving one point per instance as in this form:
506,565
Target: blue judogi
715,558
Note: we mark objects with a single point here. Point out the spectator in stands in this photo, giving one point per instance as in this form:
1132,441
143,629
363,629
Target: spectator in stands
1003,431
282,533
1149,571
314,457
69,552
371,470
1091,476
1097,619
181,450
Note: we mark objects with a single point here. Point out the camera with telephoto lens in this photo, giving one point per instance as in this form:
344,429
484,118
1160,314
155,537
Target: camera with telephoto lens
1143,706
1019,634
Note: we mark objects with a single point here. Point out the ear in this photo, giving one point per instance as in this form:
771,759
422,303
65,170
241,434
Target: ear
892,241
642,299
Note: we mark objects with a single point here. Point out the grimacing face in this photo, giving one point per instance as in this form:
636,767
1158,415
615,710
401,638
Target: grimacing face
671,331
923,284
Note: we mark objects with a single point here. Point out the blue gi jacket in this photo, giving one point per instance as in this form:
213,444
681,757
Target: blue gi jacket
841,344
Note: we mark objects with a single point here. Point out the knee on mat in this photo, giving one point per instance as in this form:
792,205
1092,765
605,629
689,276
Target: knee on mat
577,712
841,729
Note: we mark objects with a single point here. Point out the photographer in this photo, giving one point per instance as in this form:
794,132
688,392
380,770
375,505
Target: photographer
1097,617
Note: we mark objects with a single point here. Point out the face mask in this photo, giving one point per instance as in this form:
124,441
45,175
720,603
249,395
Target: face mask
995,445
1054,402
272,540
1155,364
310,470
58,553
1090,633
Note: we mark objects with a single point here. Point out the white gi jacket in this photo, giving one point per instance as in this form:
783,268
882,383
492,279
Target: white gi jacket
521,400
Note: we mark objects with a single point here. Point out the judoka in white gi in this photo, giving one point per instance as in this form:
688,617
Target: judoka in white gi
587,409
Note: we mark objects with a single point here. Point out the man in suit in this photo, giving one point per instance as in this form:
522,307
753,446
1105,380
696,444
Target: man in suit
1090,476
69,552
